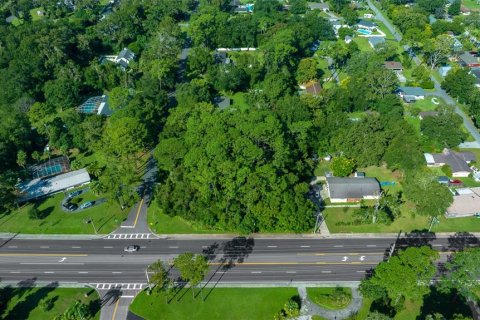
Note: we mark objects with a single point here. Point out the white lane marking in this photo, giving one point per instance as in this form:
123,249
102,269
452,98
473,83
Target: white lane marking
360,271
272,246
82,272
117,272
327,271
173,247
13,247
127,297
62,259
76,247
338,246
54,263
49,272
362,258
291,271
344,258
257,272
371,245
44,247
204,247
14,271
304,246
107,247
437,245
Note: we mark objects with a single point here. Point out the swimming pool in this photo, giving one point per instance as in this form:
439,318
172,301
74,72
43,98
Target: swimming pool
364,31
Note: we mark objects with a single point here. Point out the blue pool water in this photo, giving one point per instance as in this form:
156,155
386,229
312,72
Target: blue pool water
364,31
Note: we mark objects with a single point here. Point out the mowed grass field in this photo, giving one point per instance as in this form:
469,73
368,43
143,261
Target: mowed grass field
25,303
106,217
219,304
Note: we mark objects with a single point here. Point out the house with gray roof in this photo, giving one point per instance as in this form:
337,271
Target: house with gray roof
352,189
123,59
375,41
458,161
367,24
467,59
411,94
319,6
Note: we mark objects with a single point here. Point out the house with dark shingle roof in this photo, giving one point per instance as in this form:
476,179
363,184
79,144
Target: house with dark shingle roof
458,161
352,189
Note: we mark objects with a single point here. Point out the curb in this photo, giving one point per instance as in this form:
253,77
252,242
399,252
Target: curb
12,236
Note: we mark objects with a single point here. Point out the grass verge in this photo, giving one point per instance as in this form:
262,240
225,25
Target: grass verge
220,303
106,217
27,303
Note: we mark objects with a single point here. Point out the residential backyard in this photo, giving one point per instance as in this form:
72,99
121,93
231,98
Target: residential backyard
220,303
54,220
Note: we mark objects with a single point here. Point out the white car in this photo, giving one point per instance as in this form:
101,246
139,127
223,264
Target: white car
131,248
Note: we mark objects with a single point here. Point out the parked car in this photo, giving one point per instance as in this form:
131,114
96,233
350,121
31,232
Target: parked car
87,204
71,206
74,194
131,248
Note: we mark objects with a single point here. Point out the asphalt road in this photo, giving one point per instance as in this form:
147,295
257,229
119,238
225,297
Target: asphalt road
232,260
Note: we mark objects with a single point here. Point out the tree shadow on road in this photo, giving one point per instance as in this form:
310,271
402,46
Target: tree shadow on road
111,297
233,252
461,240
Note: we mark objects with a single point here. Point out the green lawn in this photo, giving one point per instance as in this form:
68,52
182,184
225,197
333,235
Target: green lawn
362,43
220,303
329,298
106,217
161,223
25,303
34,15
239,100
472,4
336,217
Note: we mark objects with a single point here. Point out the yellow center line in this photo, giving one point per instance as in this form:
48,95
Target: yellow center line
43,255
138,212
290,263
115,310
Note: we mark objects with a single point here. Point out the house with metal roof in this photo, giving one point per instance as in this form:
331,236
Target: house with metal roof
411,94
458,161
352,189
41,187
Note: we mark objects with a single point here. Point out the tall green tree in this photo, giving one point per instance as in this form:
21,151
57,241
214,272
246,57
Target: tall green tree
406,275
193,268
